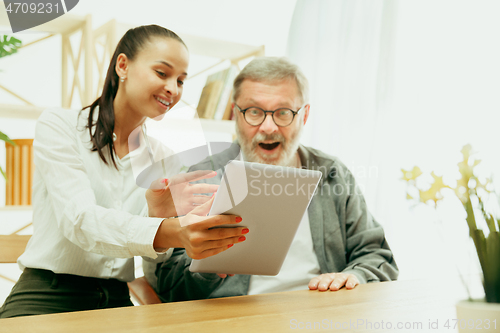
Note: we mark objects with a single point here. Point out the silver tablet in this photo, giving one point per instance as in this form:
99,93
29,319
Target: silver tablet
271,200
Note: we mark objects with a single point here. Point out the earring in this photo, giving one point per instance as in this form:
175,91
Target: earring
122,79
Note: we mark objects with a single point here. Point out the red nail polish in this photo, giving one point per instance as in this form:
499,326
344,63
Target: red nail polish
238,219
229,245
241,239
165,181
245,231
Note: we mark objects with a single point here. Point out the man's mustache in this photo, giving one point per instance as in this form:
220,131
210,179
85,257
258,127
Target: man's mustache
259,137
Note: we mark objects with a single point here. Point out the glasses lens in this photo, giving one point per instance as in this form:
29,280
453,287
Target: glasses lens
254,116
283,117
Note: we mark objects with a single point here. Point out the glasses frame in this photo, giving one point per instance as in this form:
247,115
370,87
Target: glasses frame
266,112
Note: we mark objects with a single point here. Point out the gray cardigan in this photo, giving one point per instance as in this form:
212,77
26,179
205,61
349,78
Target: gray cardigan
346,237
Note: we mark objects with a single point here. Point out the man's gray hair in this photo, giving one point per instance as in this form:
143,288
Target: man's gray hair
272,69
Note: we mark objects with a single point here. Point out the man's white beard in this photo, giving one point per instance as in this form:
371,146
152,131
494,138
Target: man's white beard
288,148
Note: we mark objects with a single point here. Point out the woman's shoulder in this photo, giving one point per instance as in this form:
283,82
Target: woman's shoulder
68,116
60,123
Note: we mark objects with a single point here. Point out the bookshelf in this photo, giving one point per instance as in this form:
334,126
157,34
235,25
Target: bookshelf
20,111
79,66
215,99
33,112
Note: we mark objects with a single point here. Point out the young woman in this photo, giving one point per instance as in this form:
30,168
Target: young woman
90,218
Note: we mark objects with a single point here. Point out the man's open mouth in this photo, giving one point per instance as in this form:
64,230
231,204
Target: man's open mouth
269,146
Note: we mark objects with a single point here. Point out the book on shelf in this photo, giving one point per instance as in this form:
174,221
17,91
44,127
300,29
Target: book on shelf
209,99
215,99
228,112
229,75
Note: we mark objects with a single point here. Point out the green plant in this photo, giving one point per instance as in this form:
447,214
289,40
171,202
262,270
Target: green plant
9,45
473,194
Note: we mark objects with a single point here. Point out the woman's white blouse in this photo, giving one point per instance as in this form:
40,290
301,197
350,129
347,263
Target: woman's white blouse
89,218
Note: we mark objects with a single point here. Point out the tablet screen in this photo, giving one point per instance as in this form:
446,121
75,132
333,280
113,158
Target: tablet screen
271,200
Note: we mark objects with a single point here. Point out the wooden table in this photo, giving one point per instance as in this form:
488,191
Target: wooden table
414,304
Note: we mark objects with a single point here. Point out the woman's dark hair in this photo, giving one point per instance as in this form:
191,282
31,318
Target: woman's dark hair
130,44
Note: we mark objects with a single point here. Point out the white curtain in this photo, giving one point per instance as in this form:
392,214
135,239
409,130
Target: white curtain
401,83
345,49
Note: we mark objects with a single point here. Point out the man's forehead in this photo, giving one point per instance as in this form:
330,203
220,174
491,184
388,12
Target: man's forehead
291,82
279,91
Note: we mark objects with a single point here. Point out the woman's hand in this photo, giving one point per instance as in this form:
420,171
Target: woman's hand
177,197
192,232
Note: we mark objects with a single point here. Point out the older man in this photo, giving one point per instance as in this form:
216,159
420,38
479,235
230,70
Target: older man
338,243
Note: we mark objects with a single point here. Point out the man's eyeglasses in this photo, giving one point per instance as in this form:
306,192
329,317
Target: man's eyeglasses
255,116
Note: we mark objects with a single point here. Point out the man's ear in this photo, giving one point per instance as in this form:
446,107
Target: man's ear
306,113
121,66
235,116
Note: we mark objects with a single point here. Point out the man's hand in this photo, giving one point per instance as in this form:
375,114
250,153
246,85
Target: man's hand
176,196
333,281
